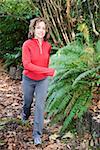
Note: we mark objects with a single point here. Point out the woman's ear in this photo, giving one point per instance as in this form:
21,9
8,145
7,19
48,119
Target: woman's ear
30,35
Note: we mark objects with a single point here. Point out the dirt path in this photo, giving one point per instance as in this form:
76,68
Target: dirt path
10,95
15,136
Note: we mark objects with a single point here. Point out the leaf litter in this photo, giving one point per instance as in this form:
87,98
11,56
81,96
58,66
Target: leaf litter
15,136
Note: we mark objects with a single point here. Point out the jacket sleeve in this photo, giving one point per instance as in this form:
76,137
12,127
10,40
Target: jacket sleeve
26,59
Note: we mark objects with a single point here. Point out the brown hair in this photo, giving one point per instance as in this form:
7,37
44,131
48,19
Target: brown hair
32,25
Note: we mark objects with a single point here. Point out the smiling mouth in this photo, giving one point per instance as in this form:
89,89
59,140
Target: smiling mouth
41,34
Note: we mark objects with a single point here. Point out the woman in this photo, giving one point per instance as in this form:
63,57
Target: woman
35,58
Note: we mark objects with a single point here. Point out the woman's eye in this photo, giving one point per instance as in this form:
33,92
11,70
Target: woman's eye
40,28
43,28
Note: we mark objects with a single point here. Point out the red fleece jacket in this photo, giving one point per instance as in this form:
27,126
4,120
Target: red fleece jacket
36,60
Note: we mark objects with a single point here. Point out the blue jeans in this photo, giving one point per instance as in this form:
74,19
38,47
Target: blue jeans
40,88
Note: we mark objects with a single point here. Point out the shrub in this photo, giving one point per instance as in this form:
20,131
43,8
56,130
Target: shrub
70,92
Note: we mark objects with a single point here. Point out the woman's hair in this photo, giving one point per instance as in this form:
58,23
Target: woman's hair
32,25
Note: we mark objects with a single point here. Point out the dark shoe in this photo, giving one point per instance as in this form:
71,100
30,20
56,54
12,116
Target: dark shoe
37,140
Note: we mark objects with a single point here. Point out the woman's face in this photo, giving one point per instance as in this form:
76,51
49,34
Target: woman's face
40,30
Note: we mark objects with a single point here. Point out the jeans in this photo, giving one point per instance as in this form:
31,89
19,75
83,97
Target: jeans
39,88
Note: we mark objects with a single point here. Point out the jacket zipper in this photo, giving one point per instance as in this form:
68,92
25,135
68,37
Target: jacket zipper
40,47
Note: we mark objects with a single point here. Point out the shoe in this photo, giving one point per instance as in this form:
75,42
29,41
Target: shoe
37,141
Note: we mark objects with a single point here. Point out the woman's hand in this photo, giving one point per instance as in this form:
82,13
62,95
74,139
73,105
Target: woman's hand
55,73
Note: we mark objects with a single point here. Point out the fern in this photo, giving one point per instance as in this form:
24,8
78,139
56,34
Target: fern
84,109
57,118
57,99
70,105
52,94
64,102
77,109
69,118
84,74
70,91
68,73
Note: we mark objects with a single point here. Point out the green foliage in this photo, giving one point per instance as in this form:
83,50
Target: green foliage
13,59
70,92
84,29
19,8
15,16
65,16
14,22
98,46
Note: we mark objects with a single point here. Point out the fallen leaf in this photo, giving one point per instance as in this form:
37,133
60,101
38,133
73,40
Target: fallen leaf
53,137
68,135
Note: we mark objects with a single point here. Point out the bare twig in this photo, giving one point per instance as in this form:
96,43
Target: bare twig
92,20
14,16
60,23
45,15
53,22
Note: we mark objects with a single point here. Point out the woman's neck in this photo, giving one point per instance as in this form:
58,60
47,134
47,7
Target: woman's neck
39,40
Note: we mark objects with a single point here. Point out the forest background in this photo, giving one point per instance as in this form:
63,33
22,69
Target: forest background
74,35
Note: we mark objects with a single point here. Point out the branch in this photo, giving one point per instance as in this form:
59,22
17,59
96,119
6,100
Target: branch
60,21
45,15
33,6
68,3
92,20
16,17
53,22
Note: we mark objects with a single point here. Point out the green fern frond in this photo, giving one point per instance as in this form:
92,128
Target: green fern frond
69,118
52,93
74,47
64,102
70,91
84,74
51,97
71,103
71,115
57,118
53,106
58,98
78,108
84,103
69,73
70,58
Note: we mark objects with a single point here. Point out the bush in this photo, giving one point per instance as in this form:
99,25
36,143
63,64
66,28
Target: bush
70,92
14,22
